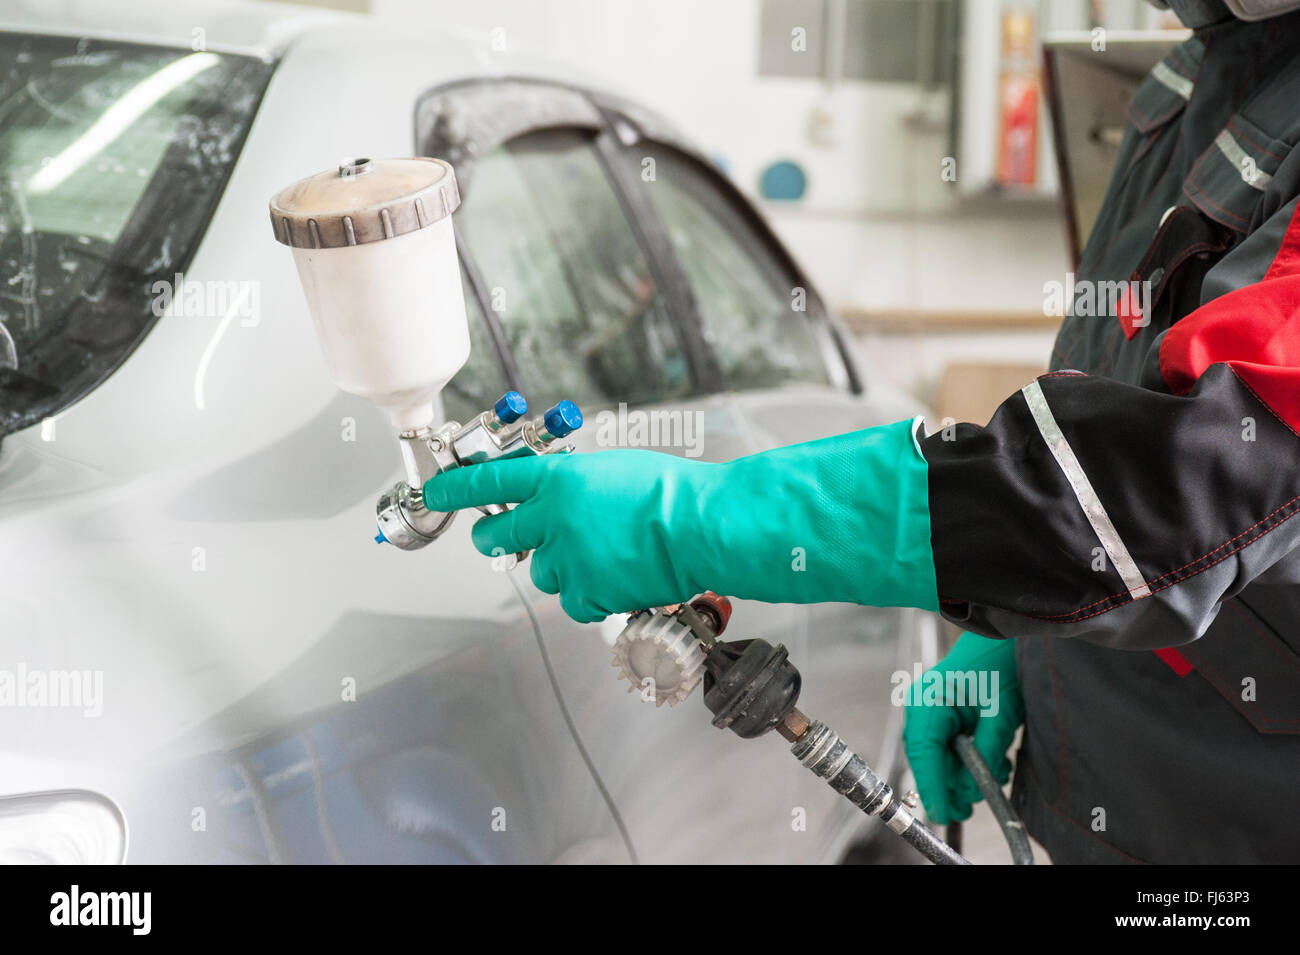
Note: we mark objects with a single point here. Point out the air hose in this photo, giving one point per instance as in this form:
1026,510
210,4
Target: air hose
751,688
823,752
1013,830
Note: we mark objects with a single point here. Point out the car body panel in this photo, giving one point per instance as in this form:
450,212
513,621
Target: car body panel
198,530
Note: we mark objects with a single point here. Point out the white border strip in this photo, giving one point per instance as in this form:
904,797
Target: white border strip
1101,524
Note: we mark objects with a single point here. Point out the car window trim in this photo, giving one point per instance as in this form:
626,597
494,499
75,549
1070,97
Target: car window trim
834,347
666,269
465,149
496,332
618,126
463,145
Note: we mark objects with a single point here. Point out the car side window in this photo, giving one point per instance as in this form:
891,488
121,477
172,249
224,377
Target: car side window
749,301
482,380
566,276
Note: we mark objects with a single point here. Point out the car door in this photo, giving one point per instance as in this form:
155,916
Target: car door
637,294
787,369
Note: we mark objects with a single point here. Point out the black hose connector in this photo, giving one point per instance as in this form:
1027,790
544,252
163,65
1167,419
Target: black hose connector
749,686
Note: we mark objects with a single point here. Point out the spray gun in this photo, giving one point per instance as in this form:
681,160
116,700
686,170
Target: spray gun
376,254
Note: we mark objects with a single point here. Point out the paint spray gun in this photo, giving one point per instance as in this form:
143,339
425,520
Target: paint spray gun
376,254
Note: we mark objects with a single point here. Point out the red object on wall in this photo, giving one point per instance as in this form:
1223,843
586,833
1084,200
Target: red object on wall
1018,101
1018,131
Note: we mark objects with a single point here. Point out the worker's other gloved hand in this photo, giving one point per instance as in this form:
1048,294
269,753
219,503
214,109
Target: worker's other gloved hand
934,717
841,519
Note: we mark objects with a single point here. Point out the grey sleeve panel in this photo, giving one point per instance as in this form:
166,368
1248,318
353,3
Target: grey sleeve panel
1170,618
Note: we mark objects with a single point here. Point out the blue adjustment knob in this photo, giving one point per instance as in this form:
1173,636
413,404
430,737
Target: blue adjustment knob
563,419
510,407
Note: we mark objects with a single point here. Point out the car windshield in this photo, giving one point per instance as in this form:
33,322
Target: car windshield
112,159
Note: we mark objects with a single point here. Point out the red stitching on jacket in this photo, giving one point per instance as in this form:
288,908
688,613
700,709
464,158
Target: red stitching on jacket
1196,165
1262,520
1179,380
1189,184
1088,832
1267,407
1059,811
1175,60
1236,129
1231,698
1154,590
1270,640
1148,141
1287,258
1107,360
1086,266
1151,125
1073,616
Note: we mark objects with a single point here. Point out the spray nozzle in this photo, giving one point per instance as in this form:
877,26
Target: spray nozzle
500,432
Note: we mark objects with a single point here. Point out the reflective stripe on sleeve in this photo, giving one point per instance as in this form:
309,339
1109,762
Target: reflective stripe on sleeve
1246,166
1120,558
1172,81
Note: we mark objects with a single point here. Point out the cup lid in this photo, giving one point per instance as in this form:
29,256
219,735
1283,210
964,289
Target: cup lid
364,200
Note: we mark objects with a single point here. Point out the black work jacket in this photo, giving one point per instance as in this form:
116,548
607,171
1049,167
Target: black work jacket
1129,515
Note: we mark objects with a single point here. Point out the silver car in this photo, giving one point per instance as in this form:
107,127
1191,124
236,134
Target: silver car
206,654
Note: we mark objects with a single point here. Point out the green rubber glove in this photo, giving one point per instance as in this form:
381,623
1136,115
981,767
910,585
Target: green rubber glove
841,519
934,718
